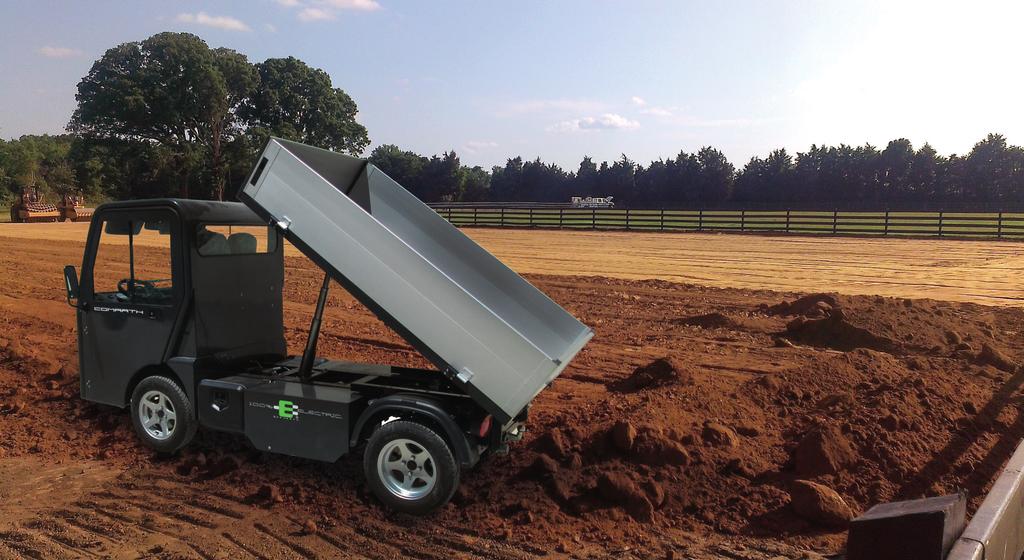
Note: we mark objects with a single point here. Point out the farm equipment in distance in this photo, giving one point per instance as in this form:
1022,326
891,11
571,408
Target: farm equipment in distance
30,207
194,335
72,207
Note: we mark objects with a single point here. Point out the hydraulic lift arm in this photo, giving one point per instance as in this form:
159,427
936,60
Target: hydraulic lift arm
309,355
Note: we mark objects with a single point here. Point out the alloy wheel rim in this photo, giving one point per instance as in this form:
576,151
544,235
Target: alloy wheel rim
157,415
407,469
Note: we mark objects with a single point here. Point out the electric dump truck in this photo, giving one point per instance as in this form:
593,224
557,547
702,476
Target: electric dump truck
179,313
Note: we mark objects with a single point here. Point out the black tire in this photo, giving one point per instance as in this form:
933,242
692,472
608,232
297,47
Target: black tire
441,464
179,432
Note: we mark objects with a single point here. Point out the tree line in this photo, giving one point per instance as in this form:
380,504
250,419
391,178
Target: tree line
170,116
990,176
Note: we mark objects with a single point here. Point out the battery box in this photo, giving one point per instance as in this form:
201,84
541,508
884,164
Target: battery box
282,414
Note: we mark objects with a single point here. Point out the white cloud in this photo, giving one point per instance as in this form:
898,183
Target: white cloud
638,101
358,5
59,52
607,121
658,111
326,10
474,146
226,23
315,14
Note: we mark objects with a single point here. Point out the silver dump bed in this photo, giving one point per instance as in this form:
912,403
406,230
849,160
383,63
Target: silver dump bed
487,328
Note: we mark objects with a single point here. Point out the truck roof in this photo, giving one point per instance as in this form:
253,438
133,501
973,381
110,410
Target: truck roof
194,210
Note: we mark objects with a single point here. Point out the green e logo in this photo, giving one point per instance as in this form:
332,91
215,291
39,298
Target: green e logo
287,410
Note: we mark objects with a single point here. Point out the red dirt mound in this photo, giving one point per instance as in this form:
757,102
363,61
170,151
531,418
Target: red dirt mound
660,372
714,320
836,332
812,305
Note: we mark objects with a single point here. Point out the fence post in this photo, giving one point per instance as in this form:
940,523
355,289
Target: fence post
999,226
940,223
474,216
530,218
700,220
662,226
627,219
886,230
787,220
501,219
593,218
835,221
561,216
743,220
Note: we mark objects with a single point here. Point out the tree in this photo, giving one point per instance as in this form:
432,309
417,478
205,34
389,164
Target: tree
202,113
167,89
716,177
405,167
543,182
585,181
441,179
299,103
618,180
476,185
766,181
506,182
994,170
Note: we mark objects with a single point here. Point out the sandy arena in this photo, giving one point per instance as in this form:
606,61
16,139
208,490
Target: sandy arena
688,428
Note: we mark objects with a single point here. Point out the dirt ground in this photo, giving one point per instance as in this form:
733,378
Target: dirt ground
974,271
701,422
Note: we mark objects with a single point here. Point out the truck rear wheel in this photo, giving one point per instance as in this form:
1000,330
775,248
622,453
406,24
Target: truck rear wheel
410,468
162,414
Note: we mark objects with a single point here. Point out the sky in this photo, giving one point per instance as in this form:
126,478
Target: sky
561,79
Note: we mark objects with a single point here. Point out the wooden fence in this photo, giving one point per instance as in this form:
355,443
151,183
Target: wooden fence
1000,225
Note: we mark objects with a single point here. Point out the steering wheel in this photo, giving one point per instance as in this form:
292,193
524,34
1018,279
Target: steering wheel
142,287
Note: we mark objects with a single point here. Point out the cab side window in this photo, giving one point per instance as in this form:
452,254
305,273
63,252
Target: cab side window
133,261
221,239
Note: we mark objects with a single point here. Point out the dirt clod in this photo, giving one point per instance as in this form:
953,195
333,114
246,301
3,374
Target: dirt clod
719,435
989,355
656,449
819,504
620,490
544,464
623,435
655,492
554,443
268,494
309,527
824,450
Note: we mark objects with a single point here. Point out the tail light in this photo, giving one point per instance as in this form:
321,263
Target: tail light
485,426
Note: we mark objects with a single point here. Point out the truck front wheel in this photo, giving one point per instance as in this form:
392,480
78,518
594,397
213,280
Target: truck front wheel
162,414
410,468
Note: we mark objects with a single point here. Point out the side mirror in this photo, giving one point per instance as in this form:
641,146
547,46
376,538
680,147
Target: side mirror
71,283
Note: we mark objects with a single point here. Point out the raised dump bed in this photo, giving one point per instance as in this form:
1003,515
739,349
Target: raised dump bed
489,330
